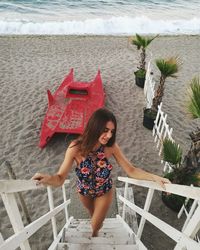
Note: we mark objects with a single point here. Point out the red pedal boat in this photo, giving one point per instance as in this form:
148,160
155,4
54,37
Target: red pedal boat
70,107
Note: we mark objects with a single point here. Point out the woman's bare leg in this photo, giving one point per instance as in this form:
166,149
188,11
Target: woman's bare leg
88,203
101,206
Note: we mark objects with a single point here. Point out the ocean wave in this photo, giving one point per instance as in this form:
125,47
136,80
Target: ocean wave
100,26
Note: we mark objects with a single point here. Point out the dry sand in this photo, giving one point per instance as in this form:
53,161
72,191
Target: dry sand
32,64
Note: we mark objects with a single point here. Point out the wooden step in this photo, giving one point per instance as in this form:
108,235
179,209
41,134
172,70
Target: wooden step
109,222
117,234
109,225
89,229
99,240
72,246
113,235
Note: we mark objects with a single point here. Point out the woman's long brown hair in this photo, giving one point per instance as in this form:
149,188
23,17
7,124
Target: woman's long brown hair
94,129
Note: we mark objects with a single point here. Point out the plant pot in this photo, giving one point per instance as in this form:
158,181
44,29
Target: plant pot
140,78
140,81
149,118
173,201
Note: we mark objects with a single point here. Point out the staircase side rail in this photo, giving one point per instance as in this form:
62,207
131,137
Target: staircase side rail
54,244
186,191
139,243
193,222
184,210
182,239
14,241
8,189
14,186
183,190
189,215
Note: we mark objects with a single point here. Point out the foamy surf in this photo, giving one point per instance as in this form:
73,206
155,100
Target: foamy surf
102,26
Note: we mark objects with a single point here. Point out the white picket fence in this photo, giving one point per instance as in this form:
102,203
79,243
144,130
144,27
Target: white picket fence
184,239
8,189
161,130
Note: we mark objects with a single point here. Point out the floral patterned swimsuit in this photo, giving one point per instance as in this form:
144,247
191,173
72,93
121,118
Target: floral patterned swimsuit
94,174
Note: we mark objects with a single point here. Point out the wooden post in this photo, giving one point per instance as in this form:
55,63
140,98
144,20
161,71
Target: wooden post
51,206
125,196
1,239
146,209
191,229
12,209
21,199
65,199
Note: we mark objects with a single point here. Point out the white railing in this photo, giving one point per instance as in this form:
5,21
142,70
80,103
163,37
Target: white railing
161,130
149,86
184,239
8,189
188,213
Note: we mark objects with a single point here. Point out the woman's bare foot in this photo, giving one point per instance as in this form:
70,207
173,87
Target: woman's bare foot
95,234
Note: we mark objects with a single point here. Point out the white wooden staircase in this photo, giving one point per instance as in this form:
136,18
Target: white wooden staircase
115,233
113,236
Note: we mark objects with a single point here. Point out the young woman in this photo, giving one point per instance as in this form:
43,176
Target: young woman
91,152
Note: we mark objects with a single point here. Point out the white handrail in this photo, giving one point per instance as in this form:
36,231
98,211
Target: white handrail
182,238
14,186
163,226
14,241
183,190
8,188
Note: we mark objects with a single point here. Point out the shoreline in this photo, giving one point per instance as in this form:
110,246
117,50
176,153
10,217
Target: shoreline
96,35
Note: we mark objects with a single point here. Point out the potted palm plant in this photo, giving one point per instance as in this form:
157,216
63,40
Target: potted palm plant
180,174
192,159
141,43
184,170
168,68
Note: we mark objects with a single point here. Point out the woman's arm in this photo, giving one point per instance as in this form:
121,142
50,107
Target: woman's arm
133,171
58,178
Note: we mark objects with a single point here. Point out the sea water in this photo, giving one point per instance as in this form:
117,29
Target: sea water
105,17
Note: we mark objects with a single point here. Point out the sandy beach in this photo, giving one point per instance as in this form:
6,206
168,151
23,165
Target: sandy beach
32,64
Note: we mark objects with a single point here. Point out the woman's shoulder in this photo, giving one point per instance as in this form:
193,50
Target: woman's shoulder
74,146
112,149
115,146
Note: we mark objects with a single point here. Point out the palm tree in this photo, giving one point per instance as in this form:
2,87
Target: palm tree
192,159
142,43
168,68
194,105
172,153
180,174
